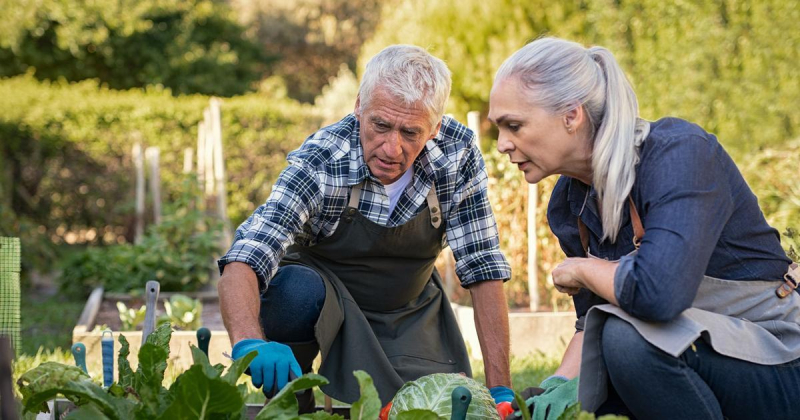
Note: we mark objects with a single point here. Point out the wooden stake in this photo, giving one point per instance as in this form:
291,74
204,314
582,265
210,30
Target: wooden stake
8,407
201,152
188,156
209,151
533,282
138,163
152,155
219,170
474,124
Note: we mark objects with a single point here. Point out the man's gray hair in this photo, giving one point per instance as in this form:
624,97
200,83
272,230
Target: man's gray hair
410,74
562,75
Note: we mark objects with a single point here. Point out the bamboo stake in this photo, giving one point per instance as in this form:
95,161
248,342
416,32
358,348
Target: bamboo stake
533,282
209,151
138,163
201,152
219,170
152,155
188,155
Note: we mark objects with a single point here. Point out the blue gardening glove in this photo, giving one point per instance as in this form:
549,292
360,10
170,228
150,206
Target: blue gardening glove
274,366
559,394
503,397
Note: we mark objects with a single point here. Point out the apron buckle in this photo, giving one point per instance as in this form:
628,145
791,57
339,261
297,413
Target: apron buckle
791,280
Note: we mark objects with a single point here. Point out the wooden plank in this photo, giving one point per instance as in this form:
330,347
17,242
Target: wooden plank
86,320
138,163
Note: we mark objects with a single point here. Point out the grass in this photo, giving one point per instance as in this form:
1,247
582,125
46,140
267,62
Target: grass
46,322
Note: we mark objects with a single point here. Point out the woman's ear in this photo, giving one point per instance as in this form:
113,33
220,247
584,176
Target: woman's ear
574,118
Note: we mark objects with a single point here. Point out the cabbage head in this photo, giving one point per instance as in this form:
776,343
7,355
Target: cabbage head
434,393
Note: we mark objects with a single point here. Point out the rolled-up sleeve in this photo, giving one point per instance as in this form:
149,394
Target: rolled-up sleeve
261,241
687,202
472,228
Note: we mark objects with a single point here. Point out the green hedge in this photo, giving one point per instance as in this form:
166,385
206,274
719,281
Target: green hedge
730,66
65,155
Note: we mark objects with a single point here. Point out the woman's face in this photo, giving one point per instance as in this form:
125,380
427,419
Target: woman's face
536,140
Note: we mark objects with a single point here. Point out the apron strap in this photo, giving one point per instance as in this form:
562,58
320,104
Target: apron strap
355,195
638,228
432,199
433,207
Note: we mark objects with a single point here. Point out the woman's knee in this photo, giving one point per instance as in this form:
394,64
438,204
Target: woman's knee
624,349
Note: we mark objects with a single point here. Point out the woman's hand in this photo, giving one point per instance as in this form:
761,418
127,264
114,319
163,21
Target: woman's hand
597,275
567,276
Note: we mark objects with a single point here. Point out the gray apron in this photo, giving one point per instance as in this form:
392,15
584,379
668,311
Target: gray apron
755,321
385,311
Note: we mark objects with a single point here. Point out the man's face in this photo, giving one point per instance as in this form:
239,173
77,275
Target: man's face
392,134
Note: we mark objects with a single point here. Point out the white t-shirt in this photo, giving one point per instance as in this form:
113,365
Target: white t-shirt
395,189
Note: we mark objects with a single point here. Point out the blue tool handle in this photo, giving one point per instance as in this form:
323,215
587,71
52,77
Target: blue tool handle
79,353
107,343
203,338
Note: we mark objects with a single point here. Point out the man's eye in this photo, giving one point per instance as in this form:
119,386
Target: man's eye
381,127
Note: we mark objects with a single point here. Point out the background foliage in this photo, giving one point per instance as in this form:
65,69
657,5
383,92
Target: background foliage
65,155
188,46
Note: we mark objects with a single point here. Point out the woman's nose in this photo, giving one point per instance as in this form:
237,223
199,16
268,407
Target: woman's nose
503,144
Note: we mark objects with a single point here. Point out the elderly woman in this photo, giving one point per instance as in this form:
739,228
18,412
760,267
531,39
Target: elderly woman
685,299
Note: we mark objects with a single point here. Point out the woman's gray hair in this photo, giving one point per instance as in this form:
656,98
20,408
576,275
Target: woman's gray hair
562,75
411,74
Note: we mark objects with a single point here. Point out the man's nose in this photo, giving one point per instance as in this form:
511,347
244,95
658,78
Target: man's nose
392,145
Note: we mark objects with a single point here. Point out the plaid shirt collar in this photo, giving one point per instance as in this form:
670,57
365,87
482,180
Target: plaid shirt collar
430,163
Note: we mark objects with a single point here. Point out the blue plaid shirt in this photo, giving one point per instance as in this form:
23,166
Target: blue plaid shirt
309,196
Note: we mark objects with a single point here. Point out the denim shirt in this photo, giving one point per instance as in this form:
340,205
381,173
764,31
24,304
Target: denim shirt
700,218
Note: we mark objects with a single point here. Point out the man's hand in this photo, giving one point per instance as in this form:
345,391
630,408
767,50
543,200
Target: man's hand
559,394
273,367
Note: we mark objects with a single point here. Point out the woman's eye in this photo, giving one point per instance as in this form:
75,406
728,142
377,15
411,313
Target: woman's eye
513,127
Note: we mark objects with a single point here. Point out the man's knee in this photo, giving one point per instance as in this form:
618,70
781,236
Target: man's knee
292,304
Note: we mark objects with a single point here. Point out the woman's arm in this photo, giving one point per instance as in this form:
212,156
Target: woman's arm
593,274
571,362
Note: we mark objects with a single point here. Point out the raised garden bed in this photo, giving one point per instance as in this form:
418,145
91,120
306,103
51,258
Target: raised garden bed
101,309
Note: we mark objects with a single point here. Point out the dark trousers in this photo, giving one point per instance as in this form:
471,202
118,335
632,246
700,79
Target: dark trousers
700,384
290,308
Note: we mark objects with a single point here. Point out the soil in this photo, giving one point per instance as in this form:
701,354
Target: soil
109,315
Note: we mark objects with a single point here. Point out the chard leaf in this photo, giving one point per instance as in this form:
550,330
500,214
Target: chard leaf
160,337
320,415
196,396
238,367
125,373
368,406
284,405
419,414
523,406
200,359
86,412
49,379
149,379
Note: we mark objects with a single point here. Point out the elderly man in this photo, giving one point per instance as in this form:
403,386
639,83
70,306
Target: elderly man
340,258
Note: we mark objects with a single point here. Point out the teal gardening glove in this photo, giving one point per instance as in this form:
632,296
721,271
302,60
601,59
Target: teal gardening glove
273,367
559,394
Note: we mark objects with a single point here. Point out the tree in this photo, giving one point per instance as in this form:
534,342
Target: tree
188,46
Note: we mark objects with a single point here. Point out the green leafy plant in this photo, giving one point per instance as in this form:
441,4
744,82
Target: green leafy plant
792,238
433,393
130,318
183,312
204,391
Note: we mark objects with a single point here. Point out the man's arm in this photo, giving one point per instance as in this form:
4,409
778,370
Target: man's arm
239,302
491,322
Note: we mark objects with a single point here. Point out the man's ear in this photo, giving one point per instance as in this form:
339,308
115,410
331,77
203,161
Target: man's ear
436,130
357,109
